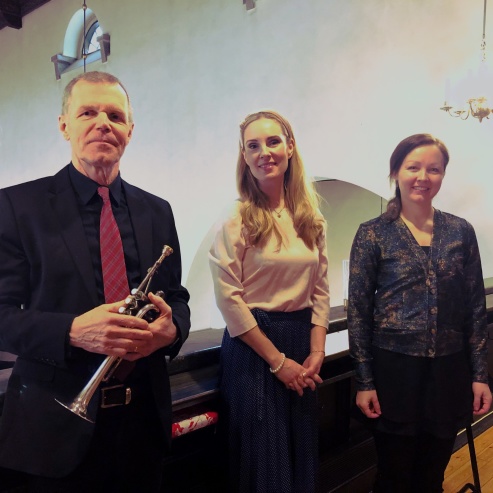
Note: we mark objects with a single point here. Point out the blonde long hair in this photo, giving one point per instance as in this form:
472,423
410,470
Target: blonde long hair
300,197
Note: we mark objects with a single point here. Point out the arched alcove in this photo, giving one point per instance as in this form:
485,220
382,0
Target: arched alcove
344,205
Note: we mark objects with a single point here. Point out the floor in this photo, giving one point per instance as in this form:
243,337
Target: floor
459,472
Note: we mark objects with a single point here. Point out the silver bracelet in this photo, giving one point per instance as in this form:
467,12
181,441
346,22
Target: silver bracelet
281,364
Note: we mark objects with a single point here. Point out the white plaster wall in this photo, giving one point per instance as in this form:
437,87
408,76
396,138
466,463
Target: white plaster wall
353,76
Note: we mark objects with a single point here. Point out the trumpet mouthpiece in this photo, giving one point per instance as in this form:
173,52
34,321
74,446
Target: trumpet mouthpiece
167,250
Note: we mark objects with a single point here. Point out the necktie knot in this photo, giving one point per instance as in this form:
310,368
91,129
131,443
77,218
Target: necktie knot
104,193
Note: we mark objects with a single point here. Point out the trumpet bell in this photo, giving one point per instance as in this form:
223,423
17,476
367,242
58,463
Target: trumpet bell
78,407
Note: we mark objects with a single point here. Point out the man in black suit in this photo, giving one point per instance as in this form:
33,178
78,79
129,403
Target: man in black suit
54,317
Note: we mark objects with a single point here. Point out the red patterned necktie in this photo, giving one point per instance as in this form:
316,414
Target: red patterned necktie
112,259
113,264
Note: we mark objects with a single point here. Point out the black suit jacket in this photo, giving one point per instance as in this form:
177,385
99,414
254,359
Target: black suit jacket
46,279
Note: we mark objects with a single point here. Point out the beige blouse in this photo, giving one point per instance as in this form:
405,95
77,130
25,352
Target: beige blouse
284,280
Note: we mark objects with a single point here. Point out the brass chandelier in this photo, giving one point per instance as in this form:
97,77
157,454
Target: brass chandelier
477,107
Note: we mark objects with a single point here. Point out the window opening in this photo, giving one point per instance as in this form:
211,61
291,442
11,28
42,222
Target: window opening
82,45
91,42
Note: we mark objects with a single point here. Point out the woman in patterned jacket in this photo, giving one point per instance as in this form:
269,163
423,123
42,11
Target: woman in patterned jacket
417,324
269,265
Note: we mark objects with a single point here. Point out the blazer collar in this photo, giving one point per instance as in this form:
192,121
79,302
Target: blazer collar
64,204
140,215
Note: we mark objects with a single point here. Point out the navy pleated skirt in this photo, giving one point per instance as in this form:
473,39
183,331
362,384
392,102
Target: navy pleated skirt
271,431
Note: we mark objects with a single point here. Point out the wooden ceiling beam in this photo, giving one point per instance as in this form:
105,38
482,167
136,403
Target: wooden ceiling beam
10,14
12,11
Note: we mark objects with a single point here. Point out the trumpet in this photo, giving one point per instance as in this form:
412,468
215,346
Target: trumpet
136,304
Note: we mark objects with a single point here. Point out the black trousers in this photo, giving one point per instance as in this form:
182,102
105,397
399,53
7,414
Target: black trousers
411,464
126,455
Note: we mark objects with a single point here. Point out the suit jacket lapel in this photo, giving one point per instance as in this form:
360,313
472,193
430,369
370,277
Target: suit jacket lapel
63,201
142,225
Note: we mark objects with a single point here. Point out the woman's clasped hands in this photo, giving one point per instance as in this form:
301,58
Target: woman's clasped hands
298,377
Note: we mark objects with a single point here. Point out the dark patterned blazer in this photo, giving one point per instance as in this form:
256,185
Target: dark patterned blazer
405,300
46,279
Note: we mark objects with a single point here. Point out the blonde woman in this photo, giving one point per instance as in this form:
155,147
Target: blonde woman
269,265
